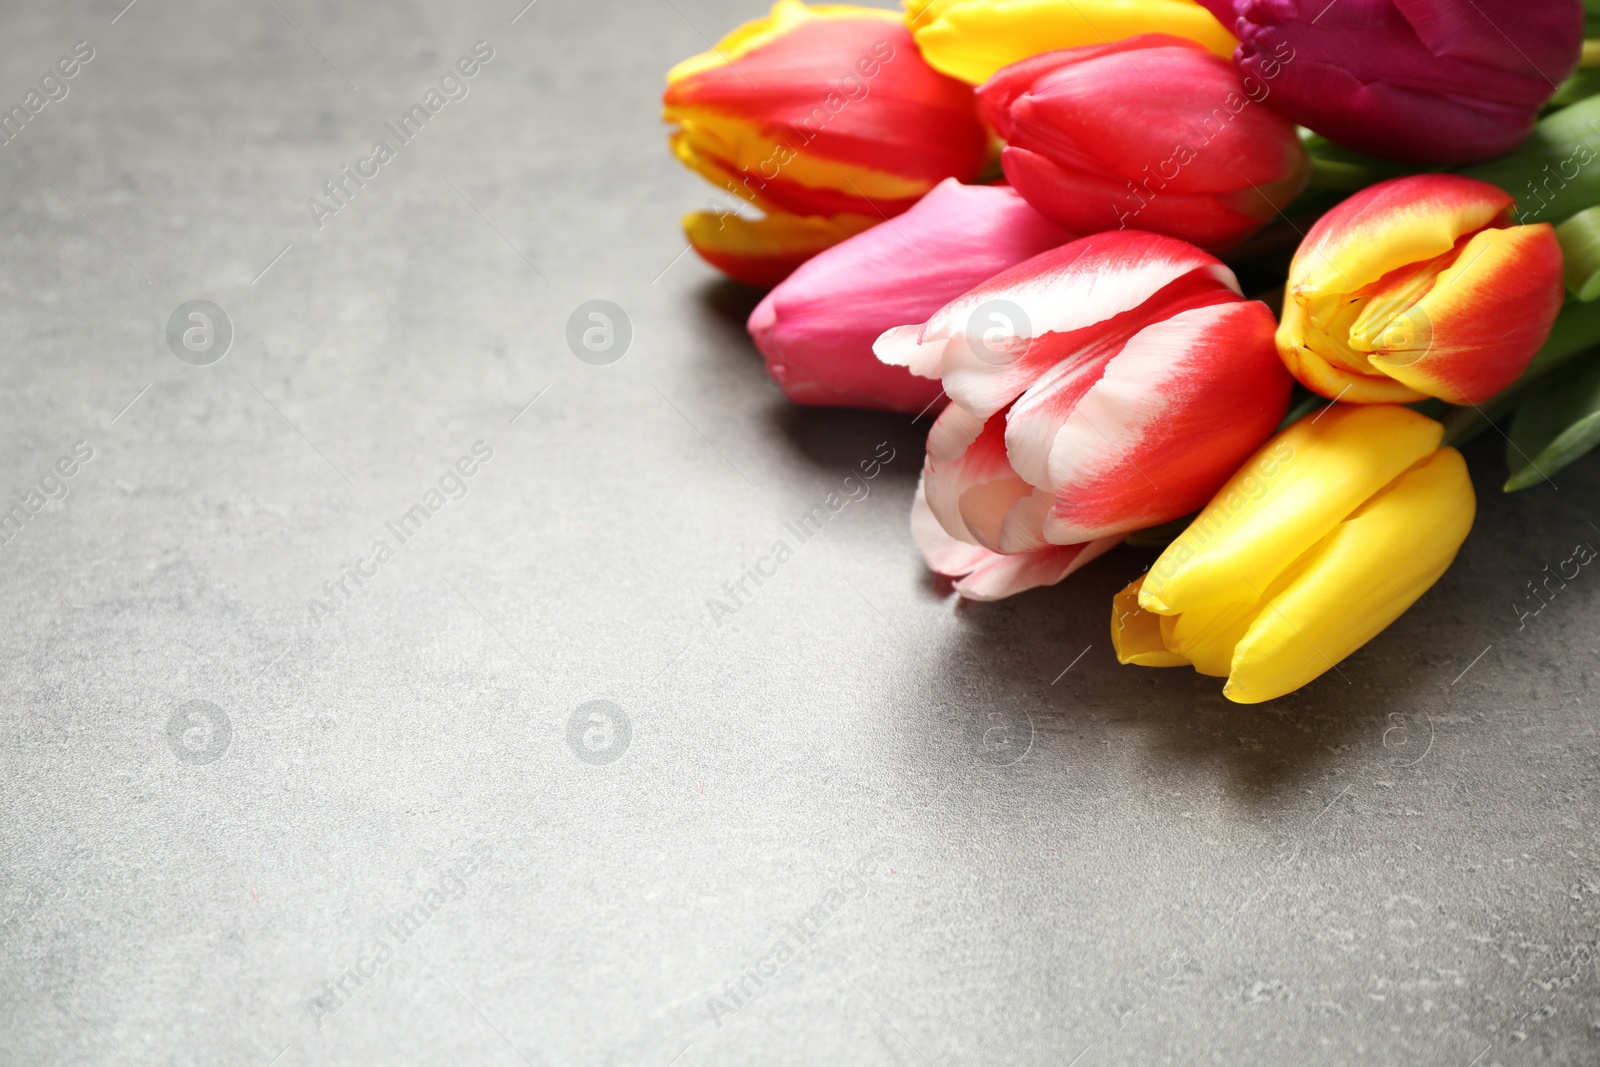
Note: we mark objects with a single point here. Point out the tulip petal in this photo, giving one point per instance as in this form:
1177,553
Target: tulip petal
1421,80
817,330
1080,288
973,39
1089,201
756,34
984,507
1388,226
1285,499
1038,415
1151,133
953,433
1000,576
1144,445
902,346
1136,633
942,553
1368,570
947,481
1207,637
743,157
1419,286
1023,527
1475,331
1327,377
811,99
764,251
986,575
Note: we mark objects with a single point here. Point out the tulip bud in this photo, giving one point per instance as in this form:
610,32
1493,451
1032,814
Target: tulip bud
972,39
1152,133
1419,286
1323,538
1101,387
825,118
1429,81
816,329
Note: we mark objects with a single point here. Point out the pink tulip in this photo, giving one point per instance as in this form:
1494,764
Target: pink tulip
1151,133
1108,385
816,329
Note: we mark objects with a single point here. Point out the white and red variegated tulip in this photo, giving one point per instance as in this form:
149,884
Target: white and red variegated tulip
1108,385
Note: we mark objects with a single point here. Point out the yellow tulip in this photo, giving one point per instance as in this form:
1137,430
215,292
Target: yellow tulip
1326,536
971,39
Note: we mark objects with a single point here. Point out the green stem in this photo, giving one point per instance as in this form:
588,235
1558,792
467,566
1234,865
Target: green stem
1343,176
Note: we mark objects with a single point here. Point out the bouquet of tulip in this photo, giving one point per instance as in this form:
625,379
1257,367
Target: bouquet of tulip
1037,214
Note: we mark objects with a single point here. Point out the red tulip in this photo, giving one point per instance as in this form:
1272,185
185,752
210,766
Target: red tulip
816,329
1101,387
825,118
1151,133
1430,81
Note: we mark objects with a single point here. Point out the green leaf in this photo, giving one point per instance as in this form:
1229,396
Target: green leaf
1580,252
1555,173
1582,85
1557,422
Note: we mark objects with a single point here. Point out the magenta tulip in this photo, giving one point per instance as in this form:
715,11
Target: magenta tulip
1428,81
816,329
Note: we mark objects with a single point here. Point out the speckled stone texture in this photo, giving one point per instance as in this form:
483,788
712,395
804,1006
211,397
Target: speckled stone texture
847,823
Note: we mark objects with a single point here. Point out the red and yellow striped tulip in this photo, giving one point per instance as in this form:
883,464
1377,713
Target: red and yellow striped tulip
1419,286
826,119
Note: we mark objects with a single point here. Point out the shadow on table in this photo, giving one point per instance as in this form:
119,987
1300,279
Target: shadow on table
1047,653
833,440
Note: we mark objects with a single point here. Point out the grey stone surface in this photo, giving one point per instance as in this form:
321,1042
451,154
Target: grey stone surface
977,858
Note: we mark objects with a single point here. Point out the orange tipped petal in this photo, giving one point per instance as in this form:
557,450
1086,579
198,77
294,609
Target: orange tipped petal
1417,287
1476,330
833,97
1389,226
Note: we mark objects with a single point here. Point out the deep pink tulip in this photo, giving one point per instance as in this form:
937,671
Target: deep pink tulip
1428,81
1101,387
1150,133
816,329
